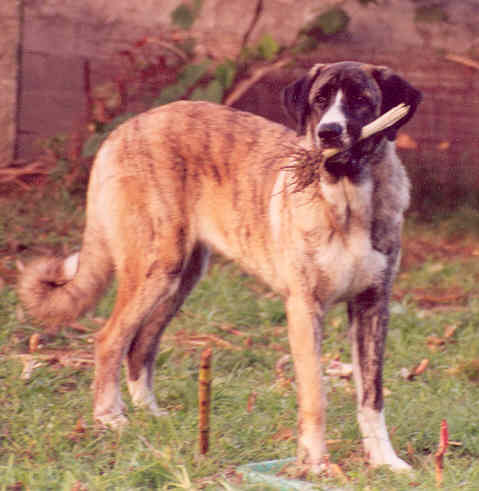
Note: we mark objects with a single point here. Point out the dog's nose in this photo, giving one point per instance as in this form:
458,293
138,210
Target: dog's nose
329,131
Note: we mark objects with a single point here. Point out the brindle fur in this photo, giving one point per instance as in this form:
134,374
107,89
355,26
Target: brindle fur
172,183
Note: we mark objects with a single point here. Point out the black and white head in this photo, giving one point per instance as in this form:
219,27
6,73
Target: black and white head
332,102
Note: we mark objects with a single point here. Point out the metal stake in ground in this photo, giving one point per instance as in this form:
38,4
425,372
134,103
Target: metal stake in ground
204,399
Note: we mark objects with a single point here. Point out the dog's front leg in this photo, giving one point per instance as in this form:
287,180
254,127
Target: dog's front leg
369,317
305,328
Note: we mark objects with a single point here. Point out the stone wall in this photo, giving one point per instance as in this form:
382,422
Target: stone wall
9,38
60,35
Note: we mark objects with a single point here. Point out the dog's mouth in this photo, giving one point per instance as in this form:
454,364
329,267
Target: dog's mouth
315,163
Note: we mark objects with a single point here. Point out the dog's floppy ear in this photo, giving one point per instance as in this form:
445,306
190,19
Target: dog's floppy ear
394,91
295,98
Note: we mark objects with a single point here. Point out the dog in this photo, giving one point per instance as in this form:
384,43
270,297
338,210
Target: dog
172,184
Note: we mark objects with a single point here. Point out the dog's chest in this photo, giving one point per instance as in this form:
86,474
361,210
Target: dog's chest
338,240
350,264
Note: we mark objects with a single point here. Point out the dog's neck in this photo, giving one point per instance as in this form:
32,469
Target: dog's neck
353,164
309,170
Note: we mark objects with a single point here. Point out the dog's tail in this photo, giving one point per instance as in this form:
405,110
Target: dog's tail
56,290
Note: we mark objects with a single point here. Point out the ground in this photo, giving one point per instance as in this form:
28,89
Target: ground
49,440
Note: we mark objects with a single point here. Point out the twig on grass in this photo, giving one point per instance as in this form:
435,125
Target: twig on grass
10,175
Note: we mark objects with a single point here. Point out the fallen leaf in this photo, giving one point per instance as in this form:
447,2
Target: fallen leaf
294,471
450,330
78,431
280,368
230,329
18,486
434,343
421,367
406,142
283,434
469,368
29,364
337,322
444,145
251,401
435,267
410,374
77,326
248,342
34,342
339,369
410,449
79,486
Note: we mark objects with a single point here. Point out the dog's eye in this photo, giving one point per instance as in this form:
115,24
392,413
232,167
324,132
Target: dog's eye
360,100
321,100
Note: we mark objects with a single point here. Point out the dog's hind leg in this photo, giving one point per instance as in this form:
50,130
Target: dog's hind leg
149,293
134,304
142,353
369,314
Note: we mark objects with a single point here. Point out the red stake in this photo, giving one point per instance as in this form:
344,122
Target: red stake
439,455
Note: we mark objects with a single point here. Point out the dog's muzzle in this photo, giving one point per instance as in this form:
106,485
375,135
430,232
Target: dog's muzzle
331,135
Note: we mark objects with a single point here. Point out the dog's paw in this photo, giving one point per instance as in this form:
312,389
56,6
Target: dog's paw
115,421
312,456
382,453
396,464
151,405
146,400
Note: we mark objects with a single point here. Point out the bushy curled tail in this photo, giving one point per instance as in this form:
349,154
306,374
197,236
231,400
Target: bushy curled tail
57,290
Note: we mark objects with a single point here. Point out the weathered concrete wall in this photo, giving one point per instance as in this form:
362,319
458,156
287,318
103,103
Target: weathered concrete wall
9,38
61,34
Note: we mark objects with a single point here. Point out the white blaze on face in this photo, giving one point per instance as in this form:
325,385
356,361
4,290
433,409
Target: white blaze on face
334,114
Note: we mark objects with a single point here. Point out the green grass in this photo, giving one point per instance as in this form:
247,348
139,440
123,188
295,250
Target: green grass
48,439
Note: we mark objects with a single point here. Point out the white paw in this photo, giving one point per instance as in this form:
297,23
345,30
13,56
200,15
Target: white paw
142,395
150,404
376,441
382,453
312,452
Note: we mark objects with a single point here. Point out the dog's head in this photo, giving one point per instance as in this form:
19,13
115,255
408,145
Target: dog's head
334,101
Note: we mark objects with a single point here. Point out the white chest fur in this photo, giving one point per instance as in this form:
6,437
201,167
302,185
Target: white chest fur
329,229
347,254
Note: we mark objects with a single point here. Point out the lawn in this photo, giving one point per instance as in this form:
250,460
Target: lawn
48,439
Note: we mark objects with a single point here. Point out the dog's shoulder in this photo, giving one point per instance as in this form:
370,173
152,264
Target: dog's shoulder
390,200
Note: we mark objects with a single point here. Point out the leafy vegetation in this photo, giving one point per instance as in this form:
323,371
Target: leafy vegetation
141,82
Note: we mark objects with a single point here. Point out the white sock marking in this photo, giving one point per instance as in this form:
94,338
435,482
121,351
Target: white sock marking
70,265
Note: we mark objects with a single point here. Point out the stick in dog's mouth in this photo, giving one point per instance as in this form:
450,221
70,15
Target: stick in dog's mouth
379,124
308,164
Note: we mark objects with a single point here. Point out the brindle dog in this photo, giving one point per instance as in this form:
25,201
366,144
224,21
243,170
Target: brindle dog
175,182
